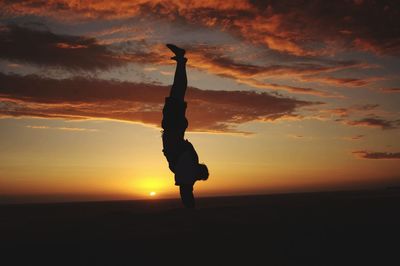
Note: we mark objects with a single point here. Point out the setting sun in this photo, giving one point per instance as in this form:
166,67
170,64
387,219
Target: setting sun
152,194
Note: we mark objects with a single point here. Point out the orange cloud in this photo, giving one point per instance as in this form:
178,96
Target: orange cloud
70,46
69,10
268,30
347,111
290,27
79,98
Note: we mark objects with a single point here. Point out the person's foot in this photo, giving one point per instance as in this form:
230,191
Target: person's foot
179,52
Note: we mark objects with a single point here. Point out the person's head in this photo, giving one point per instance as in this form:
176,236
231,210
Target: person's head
202,172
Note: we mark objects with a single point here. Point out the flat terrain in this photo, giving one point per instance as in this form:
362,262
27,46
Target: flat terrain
335,228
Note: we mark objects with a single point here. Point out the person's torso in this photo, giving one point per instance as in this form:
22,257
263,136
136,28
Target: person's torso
186,165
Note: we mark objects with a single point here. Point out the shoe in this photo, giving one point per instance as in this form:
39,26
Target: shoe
179,52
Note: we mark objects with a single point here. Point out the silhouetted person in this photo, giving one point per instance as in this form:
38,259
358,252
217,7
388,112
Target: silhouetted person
182,158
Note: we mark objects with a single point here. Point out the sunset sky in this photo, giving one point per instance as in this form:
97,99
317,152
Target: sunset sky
284,96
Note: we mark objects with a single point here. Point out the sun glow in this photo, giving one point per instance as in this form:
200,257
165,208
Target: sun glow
153,186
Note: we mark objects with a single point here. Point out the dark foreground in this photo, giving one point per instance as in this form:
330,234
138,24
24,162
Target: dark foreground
341,228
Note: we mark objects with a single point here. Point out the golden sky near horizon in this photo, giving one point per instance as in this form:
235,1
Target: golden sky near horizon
284,96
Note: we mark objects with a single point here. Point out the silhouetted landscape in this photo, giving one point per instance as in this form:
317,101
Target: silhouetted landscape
330,228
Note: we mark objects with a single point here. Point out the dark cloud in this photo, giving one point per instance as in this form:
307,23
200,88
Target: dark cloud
366,107
42,47
357,137
360,115
352,138
375,122
377,155
368,25
81,98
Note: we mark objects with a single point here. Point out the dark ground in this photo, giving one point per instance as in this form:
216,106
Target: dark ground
335,228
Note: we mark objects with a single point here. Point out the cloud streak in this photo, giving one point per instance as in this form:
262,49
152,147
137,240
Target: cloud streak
390,90
353,138
63,128
375,122
377,155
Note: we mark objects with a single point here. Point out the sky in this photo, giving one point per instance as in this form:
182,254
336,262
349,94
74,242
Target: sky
284,96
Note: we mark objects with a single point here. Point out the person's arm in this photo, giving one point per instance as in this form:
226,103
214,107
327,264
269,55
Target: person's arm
187,196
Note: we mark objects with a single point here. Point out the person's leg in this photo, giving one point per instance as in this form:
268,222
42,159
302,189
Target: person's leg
179,86
174,122
187,197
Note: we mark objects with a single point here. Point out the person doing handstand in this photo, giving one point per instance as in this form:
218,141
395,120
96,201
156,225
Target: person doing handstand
182,158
